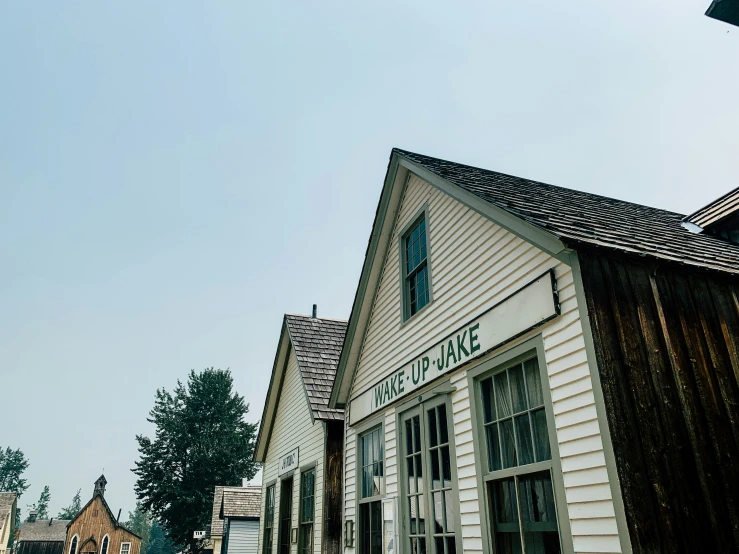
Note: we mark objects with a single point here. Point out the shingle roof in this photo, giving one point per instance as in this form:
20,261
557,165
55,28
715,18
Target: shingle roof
581,217
242,502
6,504
317,343
216,522
40,530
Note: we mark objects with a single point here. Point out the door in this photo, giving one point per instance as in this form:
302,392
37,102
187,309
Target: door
286,515
429,479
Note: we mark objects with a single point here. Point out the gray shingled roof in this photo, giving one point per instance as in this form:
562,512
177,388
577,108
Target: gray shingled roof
6,504
40,530
216,522
242,502
317,343
581,217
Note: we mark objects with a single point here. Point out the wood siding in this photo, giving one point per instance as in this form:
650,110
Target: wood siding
474,265
243,536
293,429
40,547
667,344
95,522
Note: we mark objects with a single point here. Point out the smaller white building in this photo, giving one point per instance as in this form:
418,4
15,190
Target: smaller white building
236,510
8,503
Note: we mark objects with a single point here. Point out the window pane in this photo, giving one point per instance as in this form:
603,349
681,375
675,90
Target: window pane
435,473
412,514
443,431
449,504
417,433
504,500
491,432
446,466
408,438
541,435
533,382
438,512
421,515
502,400
433,435
488,400
411,476
451,545
523,437
537,499
507,443
418,546
419,473
518,389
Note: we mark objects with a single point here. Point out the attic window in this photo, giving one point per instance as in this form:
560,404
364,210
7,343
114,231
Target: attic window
125,548
415,267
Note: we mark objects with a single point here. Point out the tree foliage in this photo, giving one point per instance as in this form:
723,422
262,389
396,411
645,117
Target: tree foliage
42,506
73,509
12,465
202,440
154,537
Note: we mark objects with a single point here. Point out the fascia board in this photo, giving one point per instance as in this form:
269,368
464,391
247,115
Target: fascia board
270,405
369,278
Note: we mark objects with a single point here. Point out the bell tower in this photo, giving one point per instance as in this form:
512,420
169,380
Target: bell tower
100,486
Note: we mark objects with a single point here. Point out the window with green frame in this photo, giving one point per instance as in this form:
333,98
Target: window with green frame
415,268
519,461
269,519
307,511
372,471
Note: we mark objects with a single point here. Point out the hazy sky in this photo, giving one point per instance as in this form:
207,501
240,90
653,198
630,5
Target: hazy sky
176,175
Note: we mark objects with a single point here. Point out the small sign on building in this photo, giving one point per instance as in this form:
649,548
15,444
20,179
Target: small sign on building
288,462
198,534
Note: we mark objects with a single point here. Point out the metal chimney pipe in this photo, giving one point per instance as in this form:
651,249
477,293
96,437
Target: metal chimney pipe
315,311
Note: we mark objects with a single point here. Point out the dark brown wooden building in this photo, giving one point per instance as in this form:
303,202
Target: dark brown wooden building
95,530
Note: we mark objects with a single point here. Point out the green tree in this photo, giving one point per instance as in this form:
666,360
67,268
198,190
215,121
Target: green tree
12,465
139,521
73,509
42,506
160,542
202,440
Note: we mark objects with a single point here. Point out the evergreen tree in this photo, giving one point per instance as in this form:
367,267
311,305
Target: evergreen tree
160,541
12,465
42,506
202,440
139,521
73,509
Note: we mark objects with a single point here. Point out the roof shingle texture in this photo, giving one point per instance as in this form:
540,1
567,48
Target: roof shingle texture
317,343
216,523
242,502
581,217
40,530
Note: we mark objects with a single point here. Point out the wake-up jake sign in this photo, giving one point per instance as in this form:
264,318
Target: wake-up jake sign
525,309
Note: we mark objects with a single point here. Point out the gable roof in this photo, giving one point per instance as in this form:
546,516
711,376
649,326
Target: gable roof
241,502
585,218
216,521
44,530
317,343
116,524
553,218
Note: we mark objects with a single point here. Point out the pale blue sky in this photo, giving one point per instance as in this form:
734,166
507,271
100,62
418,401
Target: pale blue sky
176,175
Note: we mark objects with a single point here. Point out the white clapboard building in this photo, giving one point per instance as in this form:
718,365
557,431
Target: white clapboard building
300,441
532,369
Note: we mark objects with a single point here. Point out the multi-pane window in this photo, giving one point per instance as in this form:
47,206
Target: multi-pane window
519,476
125,548
371,449
307,511
415,269
269,520
429,490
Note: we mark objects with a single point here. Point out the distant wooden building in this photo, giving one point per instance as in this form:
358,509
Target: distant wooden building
41,536
95,530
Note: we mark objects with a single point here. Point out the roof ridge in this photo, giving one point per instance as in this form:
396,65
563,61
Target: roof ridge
539,183
303,316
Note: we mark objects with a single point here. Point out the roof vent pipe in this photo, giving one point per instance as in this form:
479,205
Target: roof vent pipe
32,516
315,311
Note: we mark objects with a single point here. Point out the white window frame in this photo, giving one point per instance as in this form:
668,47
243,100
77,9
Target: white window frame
405,305
76,542
127,551
106,537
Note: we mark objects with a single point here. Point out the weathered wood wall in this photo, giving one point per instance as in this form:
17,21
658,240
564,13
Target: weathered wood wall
667,345
40,547
95,521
